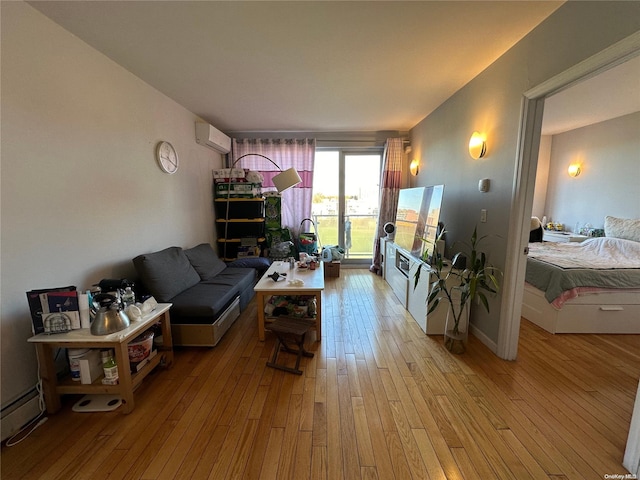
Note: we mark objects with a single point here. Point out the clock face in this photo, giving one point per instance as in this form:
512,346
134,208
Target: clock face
167,157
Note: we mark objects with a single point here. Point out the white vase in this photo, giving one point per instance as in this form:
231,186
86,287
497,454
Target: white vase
456,336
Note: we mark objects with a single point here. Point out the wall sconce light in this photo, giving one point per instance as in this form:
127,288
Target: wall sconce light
477,145
414,167
574,170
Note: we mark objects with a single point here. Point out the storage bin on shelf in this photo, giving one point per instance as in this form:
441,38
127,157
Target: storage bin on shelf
239,228
140,347
238,190
239,207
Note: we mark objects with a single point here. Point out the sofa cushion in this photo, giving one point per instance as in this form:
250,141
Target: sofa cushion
166,273
240,278
261,264
202,300
205,261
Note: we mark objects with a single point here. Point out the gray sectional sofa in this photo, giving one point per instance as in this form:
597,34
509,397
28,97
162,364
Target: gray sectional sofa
207,294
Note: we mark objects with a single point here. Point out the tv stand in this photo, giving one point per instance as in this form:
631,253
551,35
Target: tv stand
399,272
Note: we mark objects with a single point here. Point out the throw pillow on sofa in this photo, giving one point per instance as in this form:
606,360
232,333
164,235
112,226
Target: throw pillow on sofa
261,264
205,261
166,273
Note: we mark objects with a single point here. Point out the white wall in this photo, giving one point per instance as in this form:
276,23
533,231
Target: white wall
609,154
81,190
542,177
491,103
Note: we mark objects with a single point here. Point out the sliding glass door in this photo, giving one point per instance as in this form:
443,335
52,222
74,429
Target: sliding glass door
346,186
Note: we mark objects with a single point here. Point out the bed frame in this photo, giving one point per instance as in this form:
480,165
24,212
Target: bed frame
605,312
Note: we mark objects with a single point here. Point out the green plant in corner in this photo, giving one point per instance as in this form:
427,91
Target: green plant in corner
458,287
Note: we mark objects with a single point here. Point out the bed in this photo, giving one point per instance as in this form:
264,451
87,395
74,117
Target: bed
588,287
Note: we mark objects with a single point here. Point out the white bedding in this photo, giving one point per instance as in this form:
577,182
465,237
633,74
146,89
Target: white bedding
598,253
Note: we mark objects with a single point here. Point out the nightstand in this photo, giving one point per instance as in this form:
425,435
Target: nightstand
561,237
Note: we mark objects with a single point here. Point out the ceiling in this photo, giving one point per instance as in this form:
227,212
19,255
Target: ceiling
334,66
611,94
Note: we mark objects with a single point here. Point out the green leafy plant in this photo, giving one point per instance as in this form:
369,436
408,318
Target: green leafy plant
459,286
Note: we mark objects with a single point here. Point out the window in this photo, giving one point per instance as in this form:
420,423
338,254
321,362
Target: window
346,189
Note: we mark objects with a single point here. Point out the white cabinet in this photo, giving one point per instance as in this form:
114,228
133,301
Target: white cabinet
417,304
562,237
400,270
397,272
434,322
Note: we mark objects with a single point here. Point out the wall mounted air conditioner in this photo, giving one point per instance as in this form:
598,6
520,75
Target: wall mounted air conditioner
211,137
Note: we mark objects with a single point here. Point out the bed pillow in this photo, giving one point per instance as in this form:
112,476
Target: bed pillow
624,228
205,261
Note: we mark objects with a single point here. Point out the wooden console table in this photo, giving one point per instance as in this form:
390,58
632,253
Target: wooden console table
119,341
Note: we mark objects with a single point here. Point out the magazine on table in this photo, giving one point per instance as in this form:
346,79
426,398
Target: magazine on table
54,310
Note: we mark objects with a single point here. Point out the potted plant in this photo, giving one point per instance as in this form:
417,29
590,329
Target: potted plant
458,287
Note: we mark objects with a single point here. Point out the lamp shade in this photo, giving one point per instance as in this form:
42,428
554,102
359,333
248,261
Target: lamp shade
477,145
286,179
414,167
573,170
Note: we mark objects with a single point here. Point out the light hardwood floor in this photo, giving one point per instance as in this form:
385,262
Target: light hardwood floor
380,400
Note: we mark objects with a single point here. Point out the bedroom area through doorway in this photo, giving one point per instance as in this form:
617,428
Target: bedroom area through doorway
585,186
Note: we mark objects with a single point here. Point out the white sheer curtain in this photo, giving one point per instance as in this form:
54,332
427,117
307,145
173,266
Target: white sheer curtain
390,184
286,153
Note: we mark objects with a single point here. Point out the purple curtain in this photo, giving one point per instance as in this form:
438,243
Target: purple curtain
286,153
390,184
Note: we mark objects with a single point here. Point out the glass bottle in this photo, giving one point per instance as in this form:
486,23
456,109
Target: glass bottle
110,368
128,297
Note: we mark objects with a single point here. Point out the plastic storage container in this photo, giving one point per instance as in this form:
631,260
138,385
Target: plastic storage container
75,355
140,347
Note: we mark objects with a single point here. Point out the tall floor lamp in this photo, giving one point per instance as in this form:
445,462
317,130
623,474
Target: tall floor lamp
282,181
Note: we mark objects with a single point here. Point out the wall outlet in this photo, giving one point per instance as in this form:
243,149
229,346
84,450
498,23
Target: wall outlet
483,215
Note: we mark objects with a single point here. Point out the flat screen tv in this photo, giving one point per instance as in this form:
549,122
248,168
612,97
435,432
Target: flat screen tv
417,218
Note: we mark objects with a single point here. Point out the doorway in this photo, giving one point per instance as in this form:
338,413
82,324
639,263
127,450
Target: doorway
346,200
524,183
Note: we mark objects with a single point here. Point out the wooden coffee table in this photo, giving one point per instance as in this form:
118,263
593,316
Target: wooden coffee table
313,285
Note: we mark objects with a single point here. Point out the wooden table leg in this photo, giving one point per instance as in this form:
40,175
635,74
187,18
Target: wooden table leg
49,378
260,306
319,316
124,376
167,340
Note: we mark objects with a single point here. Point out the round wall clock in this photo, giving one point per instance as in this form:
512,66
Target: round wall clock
167,157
